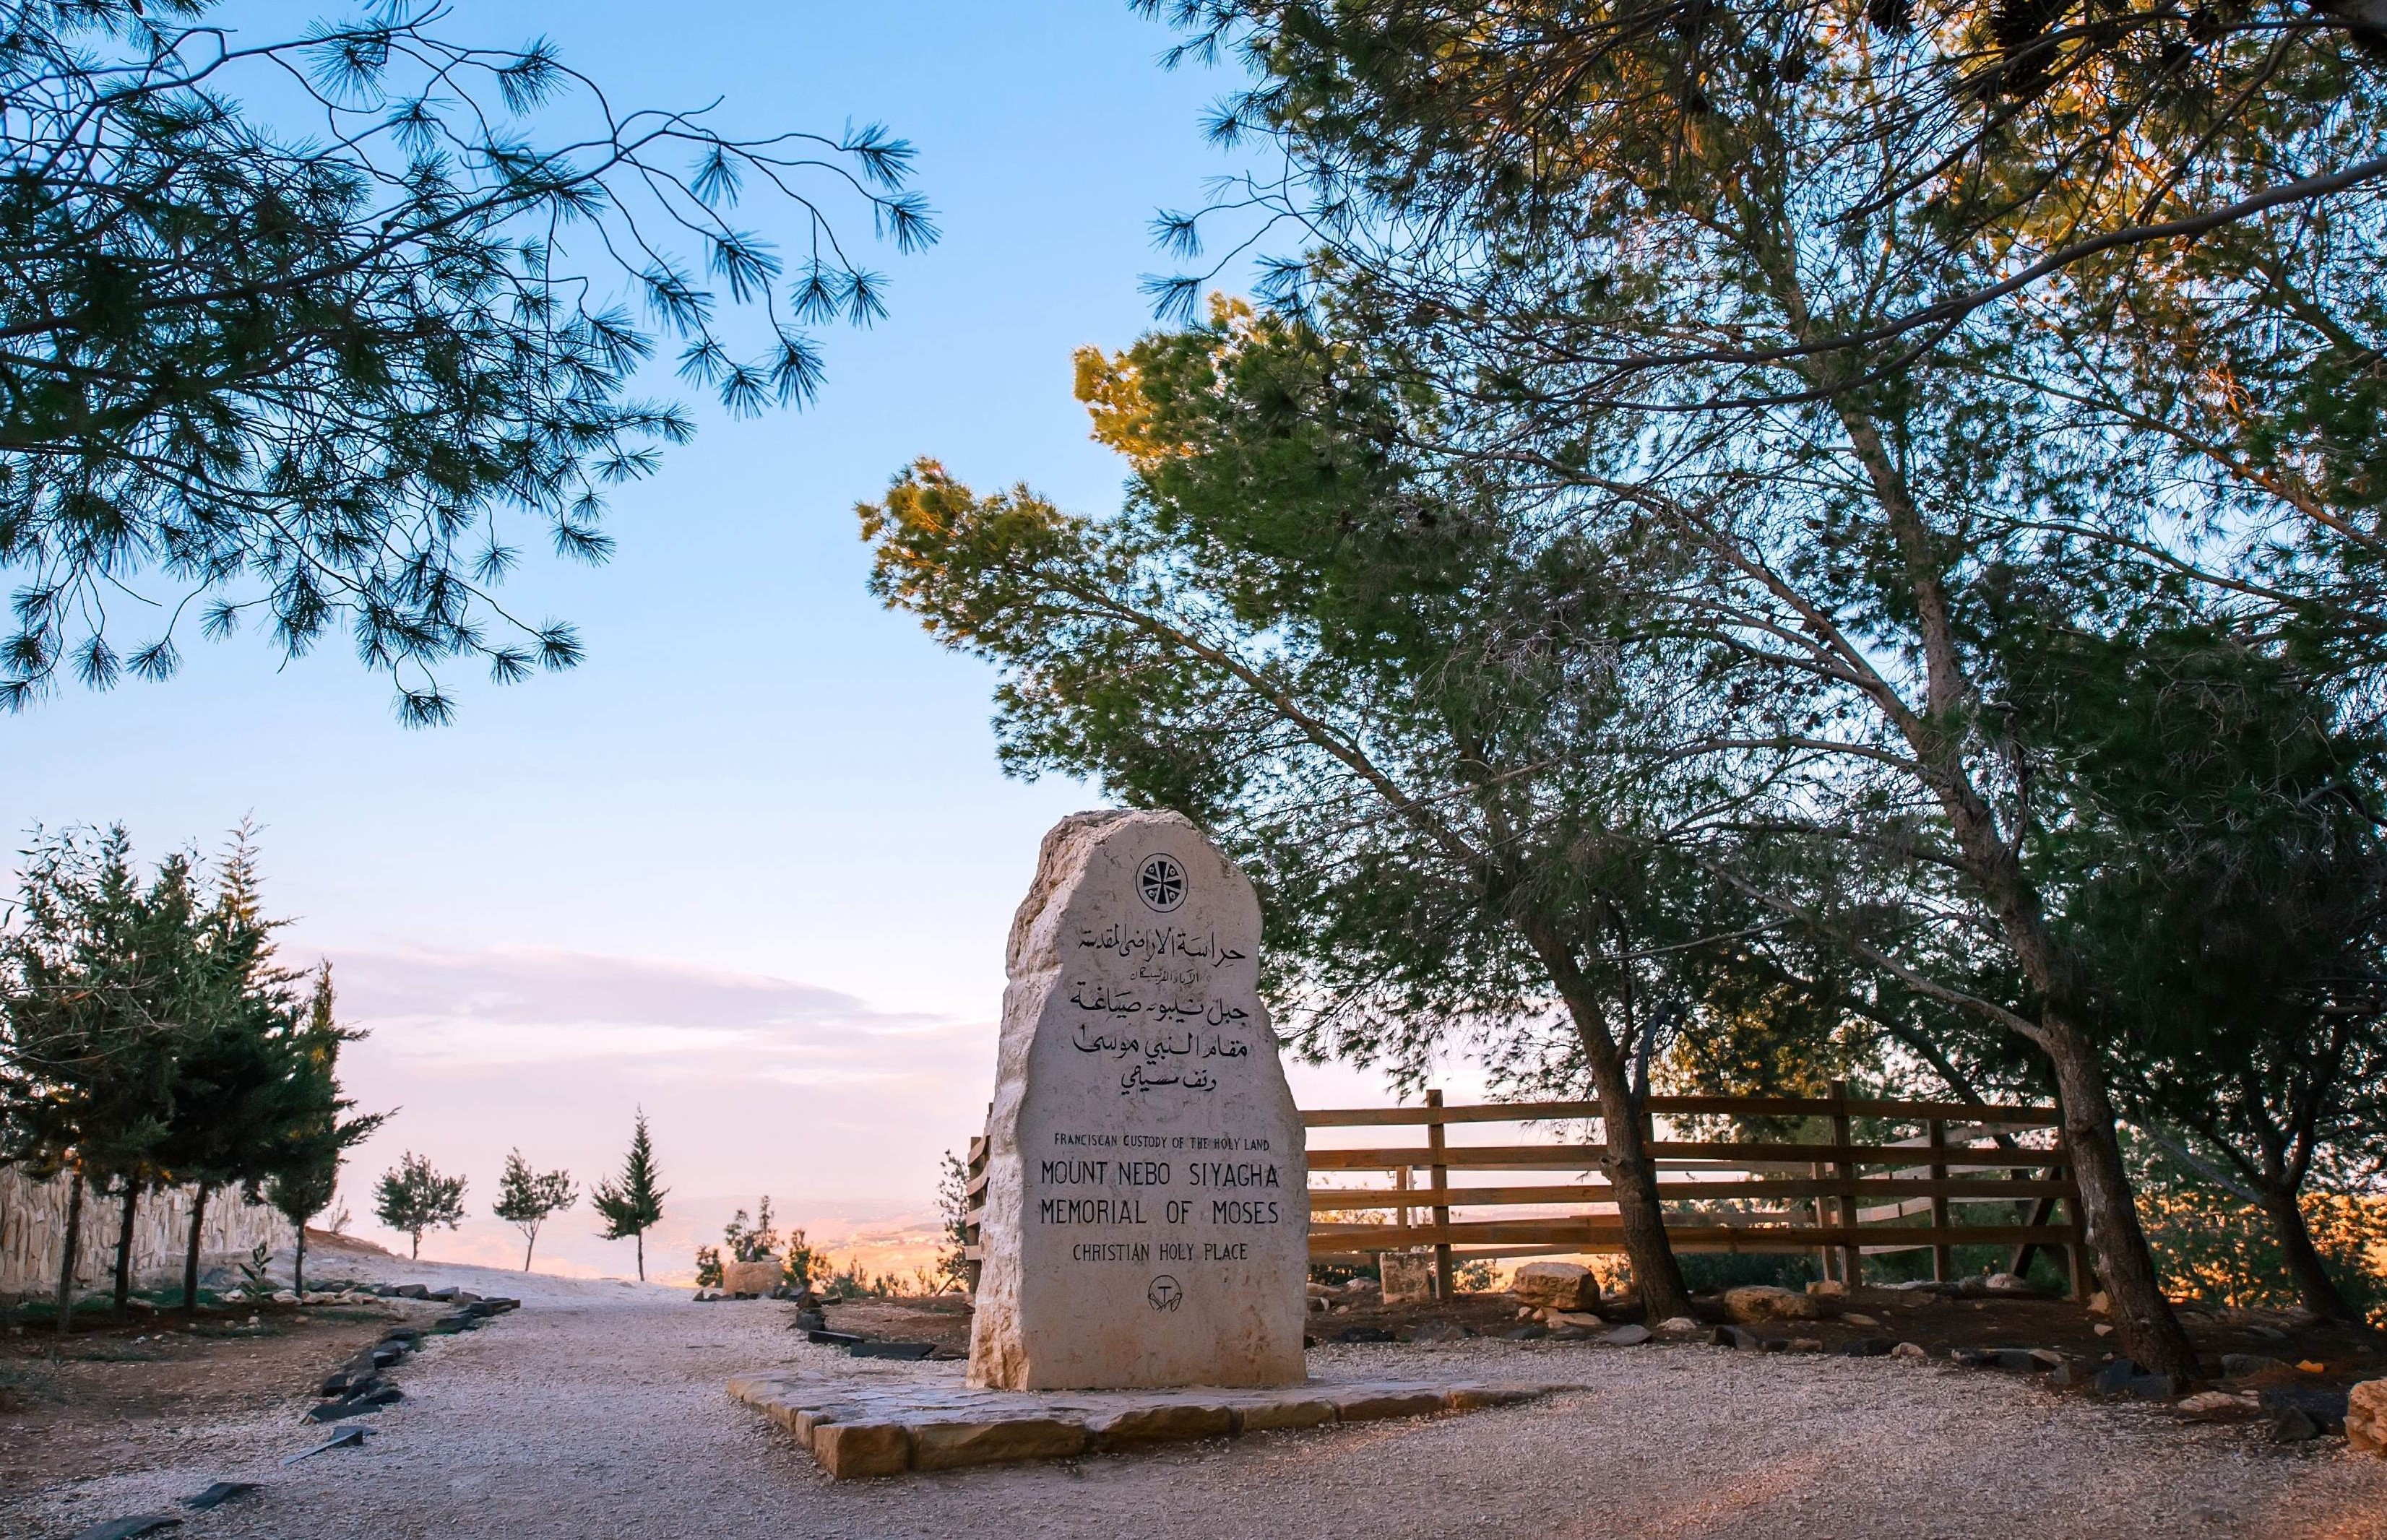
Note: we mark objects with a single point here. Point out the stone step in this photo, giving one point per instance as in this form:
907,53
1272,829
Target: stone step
888,1428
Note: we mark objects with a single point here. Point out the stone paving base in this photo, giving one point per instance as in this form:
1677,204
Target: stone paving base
889,1427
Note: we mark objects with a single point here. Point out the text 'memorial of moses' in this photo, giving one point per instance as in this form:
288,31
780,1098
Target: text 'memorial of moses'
1148,1218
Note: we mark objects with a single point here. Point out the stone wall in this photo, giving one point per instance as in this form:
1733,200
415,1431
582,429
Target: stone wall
33,1228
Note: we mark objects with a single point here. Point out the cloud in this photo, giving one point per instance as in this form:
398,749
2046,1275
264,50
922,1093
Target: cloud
752,1084
531,1005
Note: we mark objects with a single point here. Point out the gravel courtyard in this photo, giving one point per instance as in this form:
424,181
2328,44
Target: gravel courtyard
599,1408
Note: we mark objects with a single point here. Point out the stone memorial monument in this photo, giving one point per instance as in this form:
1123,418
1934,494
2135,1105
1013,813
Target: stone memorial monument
1148,1218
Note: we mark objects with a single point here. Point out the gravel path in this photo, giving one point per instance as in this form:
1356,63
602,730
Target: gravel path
599,1408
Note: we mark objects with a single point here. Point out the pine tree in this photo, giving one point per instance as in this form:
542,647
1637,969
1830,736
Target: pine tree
631,1205
413,1197
525,1199
305,1165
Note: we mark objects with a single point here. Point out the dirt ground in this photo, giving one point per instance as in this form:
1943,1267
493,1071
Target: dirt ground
107,1392
599,1407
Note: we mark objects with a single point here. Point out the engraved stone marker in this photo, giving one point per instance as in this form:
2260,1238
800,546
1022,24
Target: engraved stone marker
1148,1216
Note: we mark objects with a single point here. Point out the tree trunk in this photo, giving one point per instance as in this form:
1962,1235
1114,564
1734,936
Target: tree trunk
527,1245
640,1236
299,1266
414,1250
2143,1319
191,1253
2317,1290
1631,1174
74,1245
124,1245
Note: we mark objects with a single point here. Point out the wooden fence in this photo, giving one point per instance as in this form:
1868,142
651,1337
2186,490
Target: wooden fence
1900,1186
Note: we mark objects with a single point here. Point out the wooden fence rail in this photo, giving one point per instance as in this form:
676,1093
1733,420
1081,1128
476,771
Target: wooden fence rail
1750,1195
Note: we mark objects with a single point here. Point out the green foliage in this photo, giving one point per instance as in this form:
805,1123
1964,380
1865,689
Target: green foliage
632,1203
953,1207
412,1197
151,1037
2215,1247
708,1268
527,1199
255,1276
1707,1271
750,1241
799,1263
316,374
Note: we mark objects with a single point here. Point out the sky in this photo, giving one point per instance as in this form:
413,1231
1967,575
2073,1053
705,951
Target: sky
751,865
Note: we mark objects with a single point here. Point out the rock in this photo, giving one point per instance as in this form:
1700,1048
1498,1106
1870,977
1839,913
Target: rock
2098,1304
904,1350
409,1291
1909,1350
2212,1401
124,1529
751,1278
446,1295
1829,1288
2327,1407
1739,1337
1441,1330
347,1438
1973,1357
1532,1331
833,1338
1868,1347
1319,1291
1132,1018
2239,1366
2023,1360
809,1320
348,1382
1270,1416
2110,1380
2155,1387
1370,1403
1628,1336
1363,1333
2010,1283
1805,1344
951,1445
1361,1286
218,1494
852,1450
1583,1318
2103,1330
1673,1324
373,1400
1407,1276
1556,1285
2293,1426
1573,1333
1757,1301
2366,1418
2268,1334
1856,1318
1160,1424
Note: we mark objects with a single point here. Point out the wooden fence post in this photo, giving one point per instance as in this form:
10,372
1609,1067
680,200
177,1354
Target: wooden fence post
2075,1251
1943,1257
1844,1168
974,1201
1445,1285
